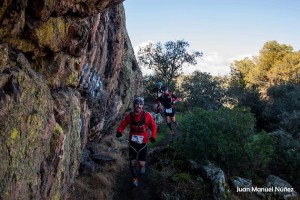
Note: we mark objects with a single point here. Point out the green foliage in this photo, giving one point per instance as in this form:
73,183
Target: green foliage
162,131
261,82
276,64
269,85
271,53
167,60
241,72
182,177
283,104
290,122
211,132
288,149
203,90
260,148
149,82
286,70
225,136
251,98
286,162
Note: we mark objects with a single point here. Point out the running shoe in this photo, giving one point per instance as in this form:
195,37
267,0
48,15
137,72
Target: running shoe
135,182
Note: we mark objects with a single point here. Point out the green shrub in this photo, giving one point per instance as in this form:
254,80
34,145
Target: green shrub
260,149
224,136
286,160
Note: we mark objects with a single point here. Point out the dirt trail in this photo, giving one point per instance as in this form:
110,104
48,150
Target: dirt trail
125,190
146,189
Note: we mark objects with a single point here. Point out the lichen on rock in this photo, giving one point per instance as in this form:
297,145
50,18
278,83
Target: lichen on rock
51,34
67,72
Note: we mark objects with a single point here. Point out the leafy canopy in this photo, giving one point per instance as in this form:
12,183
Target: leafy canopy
203,90
167,60
276,64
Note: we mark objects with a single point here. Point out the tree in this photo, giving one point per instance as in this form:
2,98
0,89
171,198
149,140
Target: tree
203,90
241,72
287,70
276,64
282,111
167,60
271,53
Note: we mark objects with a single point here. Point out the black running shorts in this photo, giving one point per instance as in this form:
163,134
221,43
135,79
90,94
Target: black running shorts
170,114
138,151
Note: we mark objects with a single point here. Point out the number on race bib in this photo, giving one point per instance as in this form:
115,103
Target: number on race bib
168,110
137,138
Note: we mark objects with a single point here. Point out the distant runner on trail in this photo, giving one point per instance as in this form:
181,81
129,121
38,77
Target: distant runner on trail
158,90
140,122
168,99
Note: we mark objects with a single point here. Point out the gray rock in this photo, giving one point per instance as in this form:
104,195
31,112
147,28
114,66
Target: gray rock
194,165
100,158
241,182
157,117
281,188
217,177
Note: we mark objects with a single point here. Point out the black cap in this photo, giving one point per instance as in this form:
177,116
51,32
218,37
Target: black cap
139,100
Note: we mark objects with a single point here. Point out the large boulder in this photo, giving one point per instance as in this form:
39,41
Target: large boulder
40,131
218,180
239,182
67,73
281,189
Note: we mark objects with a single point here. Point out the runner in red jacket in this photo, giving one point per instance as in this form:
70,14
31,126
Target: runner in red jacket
140,122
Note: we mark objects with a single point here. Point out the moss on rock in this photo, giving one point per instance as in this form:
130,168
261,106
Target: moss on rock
24,125
58,129
72,80
13,135
4,55
23,45
52,34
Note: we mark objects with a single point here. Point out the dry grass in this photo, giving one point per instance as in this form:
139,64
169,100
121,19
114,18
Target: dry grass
167,171
99,186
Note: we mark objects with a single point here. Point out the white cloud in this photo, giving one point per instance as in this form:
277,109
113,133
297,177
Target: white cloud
145,70
143,44
212,62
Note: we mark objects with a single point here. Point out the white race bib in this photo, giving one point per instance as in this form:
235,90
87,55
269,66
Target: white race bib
137,138
168,110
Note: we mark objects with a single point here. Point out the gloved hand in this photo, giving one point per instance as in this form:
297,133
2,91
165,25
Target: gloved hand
152,140
119,134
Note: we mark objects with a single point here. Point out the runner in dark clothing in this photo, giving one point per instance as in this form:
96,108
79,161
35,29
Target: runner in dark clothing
158,90
168,99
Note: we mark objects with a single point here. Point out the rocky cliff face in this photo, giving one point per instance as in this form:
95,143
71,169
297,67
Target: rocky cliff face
67,71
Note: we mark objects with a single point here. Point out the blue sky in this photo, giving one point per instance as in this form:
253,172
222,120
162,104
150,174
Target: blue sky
224,30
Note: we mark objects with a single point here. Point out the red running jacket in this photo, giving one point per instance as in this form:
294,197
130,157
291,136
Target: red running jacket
142,137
